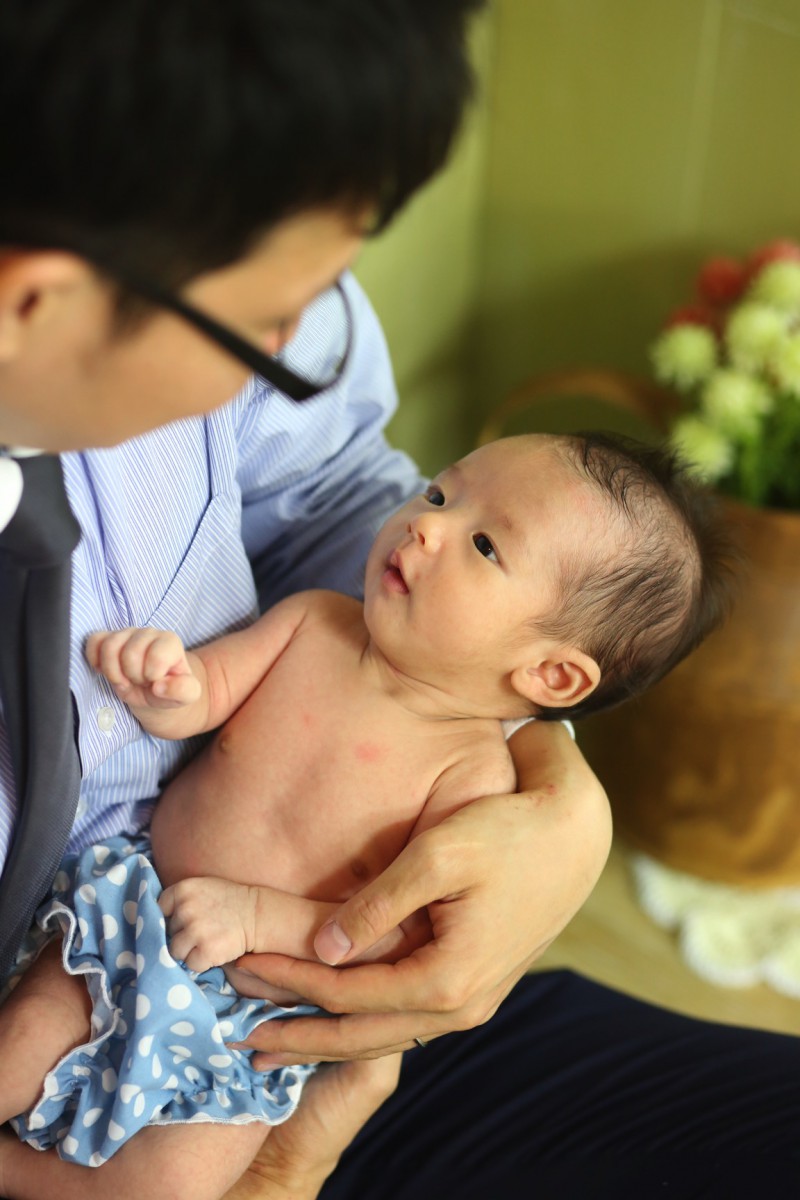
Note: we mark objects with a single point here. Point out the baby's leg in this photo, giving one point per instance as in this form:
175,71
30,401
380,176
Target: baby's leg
162,1162
47,1014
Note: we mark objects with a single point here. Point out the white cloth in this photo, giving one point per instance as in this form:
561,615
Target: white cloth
11,480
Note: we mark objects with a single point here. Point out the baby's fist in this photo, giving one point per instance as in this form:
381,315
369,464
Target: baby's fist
147,668
210,921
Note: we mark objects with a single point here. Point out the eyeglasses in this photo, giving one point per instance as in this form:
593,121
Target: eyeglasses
267,366
336,313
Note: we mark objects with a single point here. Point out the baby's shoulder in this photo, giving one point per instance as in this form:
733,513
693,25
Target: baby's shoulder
331,619
491,759
327,608
483,764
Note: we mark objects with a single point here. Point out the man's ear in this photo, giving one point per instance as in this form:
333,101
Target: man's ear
563,678
32,283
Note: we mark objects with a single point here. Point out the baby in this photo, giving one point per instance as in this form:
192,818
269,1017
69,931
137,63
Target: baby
538,576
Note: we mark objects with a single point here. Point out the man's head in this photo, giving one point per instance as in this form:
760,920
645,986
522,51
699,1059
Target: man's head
554,574
181,143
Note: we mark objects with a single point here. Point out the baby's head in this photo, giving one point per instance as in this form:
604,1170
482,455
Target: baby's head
549,574
659,580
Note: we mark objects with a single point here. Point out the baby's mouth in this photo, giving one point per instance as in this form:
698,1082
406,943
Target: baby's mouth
393,575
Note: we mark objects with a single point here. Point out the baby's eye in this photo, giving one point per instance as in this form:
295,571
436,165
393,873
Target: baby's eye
484,546
435,495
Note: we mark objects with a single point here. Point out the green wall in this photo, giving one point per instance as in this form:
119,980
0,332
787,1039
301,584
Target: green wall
617,143
423,277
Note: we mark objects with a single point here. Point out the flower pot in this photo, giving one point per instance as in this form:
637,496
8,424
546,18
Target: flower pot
702,770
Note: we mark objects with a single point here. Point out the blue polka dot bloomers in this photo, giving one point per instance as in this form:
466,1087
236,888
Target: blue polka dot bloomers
156,1053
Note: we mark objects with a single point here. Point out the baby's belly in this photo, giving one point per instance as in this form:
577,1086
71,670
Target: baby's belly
310,840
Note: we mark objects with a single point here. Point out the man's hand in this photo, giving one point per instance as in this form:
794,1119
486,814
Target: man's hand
500,878
147,668
210,921
299,1155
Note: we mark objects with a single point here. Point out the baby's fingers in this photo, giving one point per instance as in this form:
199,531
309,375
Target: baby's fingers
151,654
181,947
103,652
176,690
92,648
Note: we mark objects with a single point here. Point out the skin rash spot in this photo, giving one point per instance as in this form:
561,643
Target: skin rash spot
368,752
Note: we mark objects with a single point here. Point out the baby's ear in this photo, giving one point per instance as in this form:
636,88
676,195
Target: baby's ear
563,678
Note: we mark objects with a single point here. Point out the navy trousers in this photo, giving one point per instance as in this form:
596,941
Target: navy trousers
576,1092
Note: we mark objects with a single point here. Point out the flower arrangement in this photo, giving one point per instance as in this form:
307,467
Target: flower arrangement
733,355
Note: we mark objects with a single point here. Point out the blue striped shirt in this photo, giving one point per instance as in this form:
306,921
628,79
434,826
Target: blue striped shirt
195,526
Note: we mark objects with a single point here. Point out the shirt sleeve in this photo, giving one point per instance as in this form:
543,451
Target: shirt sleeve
319,478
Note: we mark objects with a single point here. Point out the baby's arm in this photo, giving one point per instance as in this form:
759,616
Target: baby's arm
175,693
215,921
212,921
487,770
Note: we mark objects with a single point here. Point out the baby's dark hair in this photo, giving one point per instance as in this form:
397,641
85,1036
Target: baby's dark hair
639,611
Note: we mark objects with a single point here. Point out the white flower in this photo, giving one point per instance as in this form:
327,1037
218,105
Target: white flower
707,452
751,334
778,285
734,403
685,355
785,363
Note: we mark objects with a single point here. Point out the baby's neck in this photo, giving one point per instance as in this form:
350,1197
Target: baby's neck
426,697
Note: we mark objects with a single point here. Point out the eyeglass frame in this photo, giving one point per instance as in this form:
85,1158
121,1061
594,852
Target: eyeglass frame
266,366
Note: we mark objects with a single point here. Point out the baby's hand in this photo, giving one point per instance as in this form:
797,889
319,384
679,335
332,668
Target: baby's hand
147,668
210,921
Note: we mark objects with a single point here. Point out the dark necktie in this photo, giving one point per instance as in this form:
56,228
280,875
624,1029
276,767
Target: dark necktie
35,575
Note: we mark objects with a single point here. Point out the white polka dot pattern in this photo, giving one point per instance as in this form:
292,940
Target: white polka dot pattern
159,1049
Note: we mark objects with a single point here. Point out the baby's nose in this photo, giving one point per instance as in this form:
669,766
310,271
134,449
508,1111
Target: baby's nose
427,529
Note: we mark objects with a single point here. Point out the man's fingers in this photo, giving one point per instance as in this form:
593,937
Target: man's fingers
417,877
367,1035
330,1039
412,987
374,987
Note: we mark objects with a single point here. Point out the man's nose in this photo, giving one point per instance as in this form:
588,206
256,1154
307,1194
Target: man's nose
427,528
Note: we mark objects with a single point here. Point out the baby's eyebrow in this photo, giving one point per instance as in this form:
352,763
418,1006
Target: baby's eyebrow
453,470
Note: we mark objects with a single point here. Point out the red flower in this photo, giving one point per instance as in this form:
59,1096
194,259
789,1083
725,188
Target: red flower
781,250
721,281
694,314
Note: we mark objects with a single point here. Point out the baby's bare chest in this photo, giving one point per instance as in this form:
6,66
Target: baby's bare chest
313,720
313,786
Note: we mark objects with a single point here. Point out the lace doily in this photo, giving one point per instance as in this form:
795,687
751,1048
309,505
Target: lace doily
728,935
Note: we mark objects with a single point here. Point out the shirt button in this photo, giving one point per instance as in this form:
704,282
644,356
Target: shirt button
106,718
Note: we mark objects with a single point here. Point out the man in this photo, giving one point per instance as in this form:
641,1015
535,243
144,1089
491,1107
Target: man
181,180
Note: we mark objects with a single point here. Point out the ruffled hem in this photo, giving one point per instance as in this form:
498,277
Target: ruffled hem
157,1052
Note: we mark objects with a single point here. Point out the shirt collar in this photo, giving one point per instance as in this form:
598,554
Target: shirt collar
11,480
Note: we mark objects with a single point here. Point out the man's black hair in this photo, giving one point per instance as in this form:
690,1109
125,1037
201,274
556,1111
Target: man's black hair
167,135
672,580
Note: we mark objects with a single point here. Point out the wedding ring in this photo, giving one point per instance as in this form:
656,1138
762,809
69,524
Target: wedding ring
422,1045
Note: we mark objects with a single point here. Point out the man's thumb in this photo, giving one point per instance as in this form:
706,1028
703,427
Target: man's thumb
332,944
